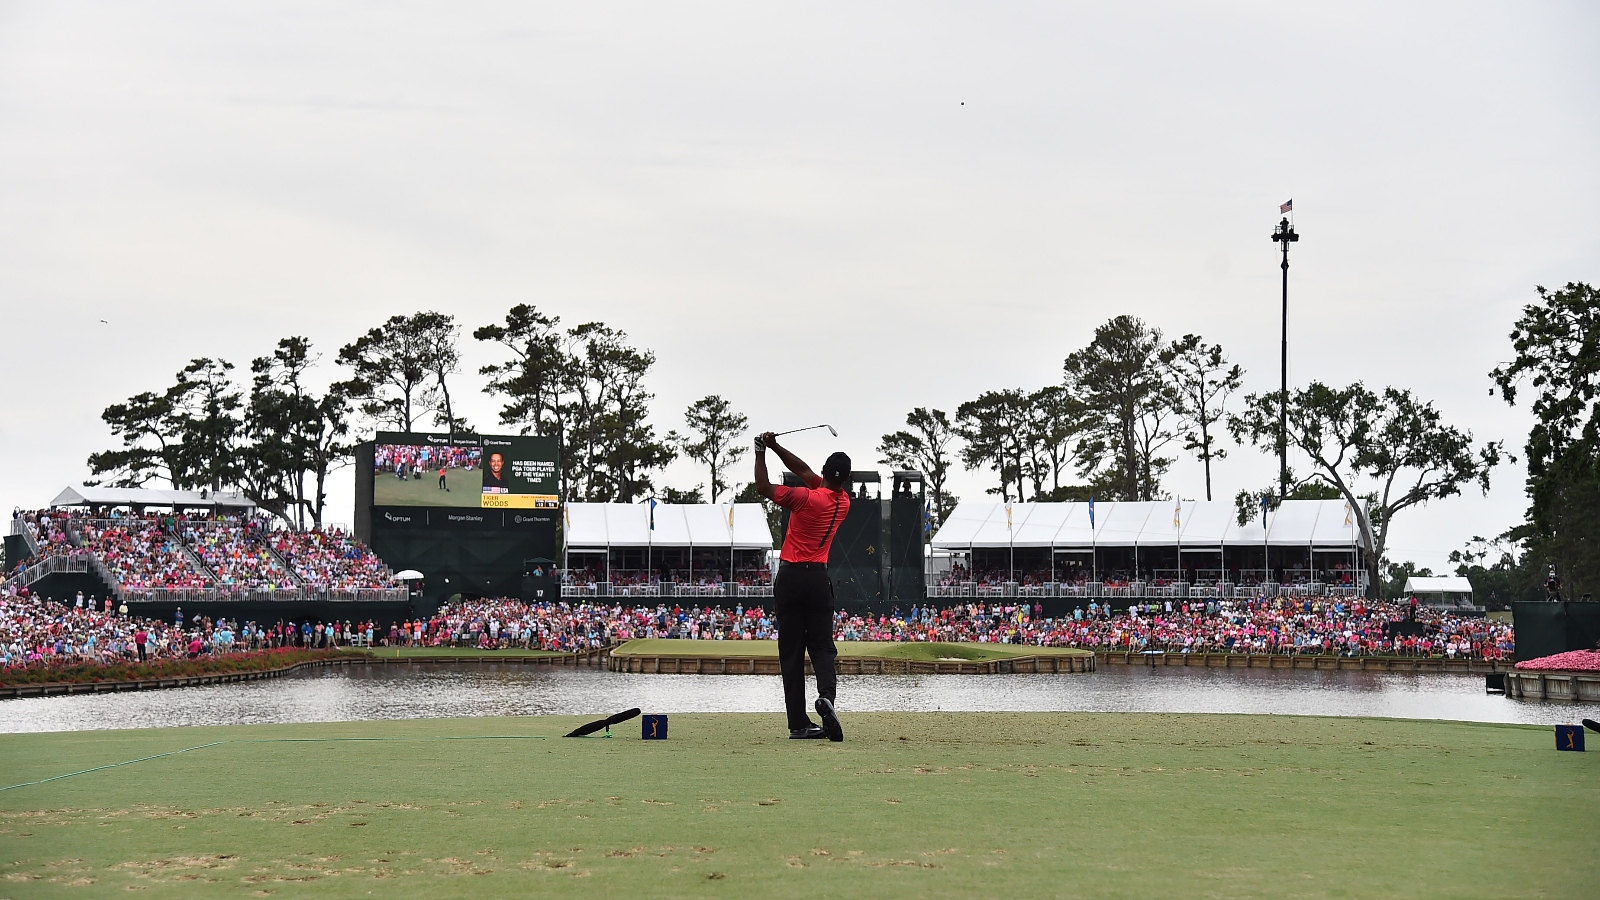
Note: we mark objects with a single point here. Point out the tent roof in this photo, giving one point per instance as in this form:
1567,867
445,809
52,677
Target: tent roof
78,495
1449,584
1199,523
676,525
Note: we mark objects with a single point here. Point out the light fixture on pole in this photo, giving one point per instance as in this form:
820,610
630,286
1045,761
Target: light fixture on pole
1284,236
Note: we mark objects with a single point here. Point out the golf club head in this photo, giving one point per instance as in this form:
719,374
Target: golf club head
831,430
1592,725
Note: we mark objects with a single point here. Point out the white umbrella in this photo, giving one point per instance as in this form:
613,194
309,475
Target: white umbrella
408,575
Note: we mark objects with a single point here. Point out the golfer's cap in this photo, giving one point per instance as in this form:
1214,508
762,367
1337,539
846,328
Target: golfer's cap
837,467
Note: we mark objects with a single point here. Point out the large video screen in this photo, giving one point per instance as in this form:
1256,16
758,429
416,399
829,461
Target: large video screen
483,471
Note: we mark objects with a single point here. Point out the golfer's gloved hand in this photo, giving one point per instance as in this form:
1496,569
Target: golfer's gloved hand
761,446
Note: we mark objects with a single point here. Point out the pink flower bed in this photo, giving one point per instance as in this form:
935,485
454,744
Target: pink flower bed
1571,661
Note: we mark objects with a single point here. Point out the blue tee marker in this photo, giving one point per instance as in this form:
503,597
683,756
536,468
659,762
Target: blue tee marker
1569,737
654,728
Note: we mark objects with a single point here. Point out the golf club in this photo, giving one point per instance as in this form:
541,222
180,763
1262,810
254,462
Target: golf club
605,723
807,428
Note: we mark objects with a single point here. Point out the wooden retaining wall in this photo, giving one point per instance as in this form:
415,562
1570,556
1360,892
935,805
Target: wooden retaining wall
586,658
1535,685
852,665
1325,663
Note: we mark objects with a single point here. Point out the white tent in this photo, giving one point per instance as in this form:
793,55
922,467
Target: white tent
1199,523
737,526
79,495
1423,586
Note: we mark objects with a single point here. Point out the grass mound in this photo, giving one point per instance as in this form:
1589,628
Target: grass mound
910,805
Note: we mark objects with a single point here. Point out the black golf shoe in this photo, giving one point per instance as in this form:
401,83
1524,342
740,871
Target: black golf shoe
808,733
830,720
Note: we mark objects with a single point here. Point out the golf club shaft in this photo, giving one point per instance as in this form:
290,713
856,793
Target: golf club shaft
798,430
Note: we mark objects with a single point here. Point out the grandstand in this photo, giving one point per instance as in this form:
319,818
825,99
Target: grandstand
1163,549
194,549
667,550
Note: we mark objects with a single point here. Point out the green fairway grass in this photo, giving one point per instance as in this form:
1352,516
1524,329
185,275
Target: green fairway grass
466,489
848,649
915,804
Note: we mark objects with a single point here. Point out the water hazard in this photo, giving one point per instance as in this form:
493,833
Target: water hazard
439,690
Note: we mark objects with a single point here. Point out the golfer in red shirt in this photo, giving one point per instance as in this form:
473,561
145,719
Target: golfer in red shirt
803,593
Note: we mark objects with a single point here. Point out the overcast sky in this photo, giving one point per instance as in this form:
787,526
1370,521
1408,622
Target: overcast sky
823,212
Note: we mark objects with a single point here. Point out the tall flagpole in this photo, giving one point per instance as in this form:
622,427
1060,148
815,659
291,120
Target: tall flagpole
1284,236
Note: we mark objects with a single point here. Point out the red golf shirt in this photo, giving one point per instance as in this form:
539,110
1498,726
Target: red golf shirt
815,514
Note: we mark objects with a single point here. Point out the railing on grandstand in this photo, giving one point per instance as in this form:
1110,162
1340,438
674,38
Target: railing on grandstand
252,595
364,595
75,563
686,591
19,526
1138,590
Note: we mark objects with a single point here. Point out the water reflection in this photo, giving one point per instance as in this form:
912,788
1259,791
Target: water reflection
442,690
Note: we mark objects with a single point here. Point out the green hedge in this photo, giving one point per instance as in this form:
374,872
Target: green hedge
87,673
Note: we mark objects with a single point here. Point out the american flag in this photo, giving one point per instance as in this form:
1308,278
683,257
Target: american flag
1287,205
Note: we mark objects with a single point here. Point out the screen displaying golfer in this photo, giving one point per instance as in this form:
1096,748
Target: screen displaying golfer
802,592
494,475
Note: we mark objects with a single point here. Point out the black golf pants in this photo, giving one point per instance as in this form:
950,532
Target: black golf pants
803,594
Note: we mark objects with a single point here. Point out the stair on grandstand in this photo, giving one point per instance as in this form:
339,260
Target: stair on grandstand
198,560
61,576
298,583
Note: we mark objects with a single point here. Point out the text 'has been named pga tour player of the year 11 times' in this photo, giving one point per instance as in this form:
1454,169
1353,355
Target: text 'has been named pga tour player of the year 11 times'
510,478
502,476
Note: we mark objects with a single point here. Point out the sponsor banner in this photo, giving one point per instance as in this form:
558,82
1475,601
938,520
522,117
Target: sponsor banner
406,517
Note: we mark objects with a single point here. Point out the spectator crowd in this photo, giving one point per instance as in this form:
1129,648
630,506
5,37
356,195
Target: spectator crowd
37,631
174,552
1277,626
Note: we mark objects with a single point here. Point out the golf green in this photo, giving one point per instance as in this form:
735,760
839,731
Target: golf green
923,804
847,649
463,487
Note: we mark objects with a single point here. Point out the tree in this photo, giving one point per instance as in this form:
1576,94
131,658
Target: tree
1128,406
585,386
438,336
1497,576
392,366
1247,504
205,420
608,448
993,427
1204,380
673,495
714,439
1557,346
1055,419
532,381
925,448
1397,443
294,434
142,425
1397,573
188,435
